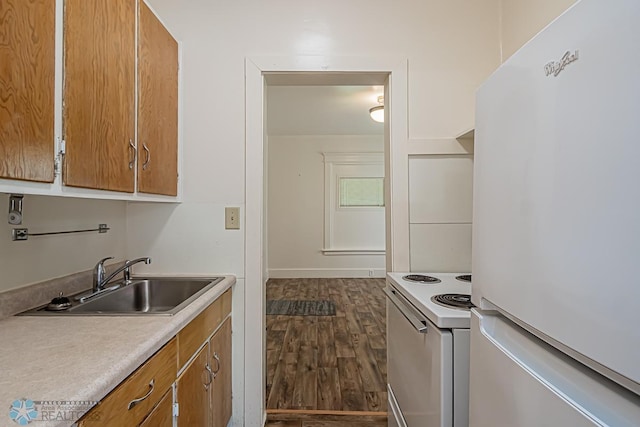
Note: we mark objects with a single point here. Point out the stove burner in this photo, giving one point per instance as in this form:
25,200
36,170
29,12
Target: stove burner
464,278
459,301
421,278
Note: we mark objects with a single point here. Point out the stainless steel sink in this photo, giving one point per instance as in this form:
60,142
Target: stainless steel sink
144,296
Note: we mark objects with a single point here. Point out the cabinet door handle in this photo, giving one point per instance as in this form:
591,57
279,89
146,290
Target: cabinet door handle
147,156
210,375
134,402
216,357
133,154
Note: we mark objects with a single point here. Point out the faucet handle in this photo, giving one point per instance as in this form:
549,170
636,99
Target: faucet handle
100,264
98,272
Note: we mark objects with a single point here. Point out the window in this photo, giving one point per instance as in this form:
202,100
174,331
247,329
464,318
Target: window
354,203
361,191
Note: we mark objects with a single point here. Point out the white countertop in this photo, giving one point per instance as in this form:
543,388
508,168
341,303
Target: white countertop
77,358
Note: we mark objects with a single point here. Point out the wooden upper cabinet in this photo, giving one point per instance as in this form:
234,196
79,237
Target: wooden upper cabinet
157,107
27,73
99,94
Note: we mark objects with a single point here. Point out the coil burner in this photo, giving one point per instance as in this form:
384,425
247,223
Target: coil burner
459,301
421,278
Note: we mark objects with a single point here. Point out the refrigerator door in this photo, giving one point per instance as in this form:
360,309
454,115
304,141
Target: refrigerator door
556,229
518,380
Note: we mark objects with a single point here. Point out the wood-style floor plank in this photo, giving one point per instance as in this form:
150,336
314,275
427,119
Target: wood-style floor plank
305,390
281,393
331,363
327,357
372,379
329,392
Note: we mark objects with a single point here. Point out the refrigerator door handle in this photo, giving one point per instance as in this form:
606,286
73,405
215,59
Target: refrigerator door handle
420,324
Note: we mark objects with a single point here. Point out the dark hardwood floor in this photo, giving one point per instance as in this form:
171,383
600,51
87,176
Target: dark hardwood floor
330,363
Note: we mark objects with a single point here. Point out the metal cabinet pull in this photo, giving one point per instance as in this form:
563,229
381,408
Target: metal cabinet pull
419,324
217,359
210,375
134,402
147,156
133,155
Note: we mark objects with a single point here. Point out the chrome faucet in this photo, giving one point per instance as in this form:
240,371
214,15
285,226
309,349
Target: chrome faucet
99,280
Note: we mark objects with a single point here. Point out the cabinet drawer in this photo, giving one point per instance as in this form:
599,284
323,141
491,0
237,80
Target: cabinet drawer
152,380
191,337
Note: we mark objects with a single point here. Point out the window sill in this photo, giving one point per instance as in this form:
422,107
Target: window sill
353,251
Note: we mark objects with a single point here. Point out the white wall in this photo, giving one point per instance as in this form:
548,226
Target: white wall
46,257
296,207
523,19
451,47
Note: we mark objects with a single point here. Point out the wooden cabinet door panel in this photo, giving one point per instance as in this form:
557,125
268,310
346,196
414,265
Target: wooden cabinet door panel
99,93
220,362
193,392
162,415
157,107
27,72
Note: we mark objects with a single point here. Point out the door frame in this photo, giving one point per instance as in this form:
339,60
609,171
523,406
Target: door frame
395,78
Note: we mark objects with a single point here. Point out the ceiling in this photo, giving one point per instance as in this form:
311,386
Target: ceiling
322,110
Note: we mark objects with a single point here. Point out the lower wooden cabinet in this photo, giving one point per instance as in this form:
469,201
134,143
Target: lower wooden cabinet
204,387
193,389
202,395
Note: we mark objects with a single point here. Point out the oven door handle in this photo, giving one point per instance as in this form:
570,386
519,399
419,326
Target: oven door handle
419,324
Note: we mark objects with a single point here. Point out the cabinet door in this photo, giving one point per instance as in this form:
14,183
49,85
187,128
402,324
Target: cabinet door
162,415
157,107
193,392
27,52
220,362
99,94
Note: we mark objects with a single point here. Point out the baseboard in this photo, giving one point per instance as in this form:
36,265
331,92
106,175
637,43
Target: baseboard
326,273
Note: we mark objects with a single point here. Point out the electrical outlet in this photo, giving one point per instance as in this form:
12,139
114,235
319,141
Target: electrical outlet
232,218
370,273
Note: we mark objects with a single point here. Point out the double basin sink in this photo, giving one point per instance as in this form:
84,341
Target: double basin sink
142,296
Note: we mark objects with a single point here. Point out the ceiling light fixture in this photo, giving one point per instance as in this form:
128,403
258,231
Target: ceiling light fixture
377,112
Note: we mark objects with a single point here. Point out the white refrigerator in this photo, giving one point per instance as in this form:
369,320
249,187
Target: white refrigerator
555,337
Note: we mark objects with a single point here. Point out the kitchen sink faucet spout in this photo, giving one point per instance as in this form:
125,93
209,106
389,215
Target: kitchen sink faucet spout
99,279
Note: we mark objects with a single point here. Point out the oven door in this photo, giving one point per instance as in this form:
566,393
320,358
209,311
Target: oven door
420,371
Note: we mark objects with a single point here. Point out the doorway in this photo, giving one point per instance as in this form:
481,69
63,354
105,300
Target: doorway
392,73
325,240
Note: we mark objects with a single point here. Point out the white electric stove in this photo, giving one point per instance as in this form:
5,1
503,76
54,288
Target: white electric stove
428,349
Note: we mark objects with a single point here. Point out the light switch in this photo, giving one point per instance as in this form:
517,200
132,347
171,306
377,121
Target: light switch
232,218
